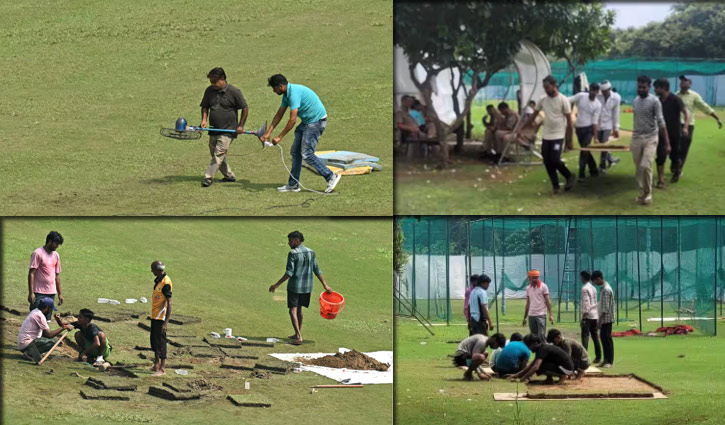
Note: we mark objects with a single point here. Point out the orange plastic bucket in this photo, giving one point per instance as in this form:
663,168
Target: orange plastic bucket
331,304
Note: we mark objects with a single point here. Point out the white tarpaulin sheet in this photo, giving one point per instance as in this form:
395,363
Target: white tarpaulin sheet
346,376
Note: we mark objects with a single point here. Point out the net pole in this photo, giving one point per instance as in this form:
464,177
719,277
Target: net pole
558,269
503,266
714,300
448,271
543,244
616,263
495,276
467,254
639,274
415,251
591,242
679,250
428,269
662,276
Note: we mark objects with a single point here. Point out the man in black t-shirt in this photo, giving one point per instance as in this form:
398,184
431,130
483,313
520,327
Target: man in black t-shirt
92,341
672,107
550,361
219,108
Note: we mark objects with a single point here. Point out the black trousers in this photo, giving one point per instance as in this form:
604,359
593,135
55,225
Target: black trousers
551,151
158,338
479,326
607,343
685,144
589,328
675,135
584,136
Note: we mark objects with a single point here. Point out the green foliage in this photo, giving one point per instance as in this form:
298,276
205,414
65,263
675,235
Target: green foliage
692,30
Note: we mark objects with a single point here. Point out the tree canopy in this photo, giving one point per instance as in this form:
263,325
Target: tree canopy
693,30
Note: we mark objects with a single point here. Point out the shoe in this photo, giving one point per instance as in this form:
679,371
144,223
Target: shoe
647,199
556,191
603,171
660,185
228,179
332,183
206,183
594,174
613,161
288,188
675,177
580,180
596,361
606,366
570,182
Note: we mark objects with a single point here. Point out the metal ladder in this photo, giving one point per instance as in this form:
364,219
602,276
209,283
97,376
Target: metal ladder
402,302
570,274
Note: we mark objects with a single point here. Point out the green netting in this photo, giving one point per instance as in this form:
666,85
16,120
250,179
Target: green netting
623,74
665,268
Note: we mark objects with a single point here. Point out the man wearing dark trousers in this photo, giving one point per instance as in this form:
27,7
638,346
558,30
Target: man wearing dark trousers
672,108
692,100
587,121
590,315
478,306
557,130
301,265
160,313
606,317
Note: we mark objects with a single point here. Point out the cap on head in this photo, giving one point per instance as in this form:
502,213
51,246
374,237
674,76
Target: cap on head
533,273
606,85
46,302
158,266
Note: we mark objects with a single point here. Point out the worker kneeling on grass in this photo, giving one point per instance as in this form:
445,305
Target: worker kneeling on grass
513,358
92,342
573,348
471,353
35,337
550,361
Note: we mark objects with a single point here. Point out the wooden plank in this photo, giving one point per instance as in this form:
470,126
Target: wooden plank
173,395
89,394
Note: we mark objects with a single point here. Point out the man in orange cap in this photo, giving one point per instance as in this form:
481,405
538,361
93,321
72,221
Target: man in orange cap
537,305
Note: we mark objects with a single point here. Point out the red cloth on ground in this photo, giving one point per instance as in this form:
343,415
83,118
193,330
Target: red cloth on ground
676,330
627,333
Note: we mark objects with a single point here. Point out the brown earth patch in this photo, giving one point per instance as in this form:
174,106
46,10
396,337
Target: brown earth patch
349,360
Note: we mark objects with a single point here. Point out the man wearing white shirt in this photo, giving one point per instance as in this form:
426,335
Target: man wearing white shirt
590,315
557,131
608,122
587,121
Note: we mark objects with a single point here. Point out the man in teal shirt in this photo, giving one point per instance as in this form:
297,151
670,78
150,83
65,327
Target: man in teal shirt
301,265
306,105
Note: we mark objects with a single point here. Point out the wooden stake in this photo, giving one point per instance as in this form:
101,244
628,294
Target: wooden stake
53,348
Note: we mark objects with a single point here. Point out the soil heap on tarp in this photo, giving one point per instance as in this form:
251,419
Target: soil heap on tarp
348,360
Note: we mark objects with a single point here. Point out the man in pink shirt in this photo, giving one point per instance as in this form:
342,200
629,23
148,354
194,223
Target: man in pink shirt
537,305
35,337
44,274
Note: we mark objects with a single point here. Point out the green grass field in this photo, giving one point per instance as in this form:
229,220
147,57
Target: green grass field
428,389
471,186
221,270
89,86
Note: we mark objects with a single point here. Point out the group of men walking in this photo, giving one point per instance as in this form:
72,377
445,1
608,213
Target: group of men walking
663,125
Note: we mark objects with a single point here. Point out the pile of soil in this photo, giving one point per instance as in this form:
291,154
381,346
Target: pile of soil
349,360
260,375
203,385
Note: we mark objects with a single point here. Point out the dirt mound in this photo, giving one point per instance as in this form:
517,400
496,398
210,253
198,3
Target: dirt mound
203,385
349,360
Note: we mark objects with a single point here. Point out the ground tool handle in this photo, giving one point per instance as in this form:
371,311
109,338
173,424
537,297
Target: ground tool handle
53,348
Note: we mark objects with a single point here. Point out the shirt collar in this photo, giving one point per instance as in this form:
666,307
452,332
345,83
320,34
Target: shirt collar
159,279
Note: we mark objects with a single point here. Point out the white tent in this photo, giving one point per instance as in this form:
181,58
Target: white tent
530,63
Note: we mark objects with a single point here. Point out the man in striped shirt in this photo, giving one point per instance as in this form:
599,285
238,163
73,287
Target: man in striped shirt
691,100
606,317
648,123
301,266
